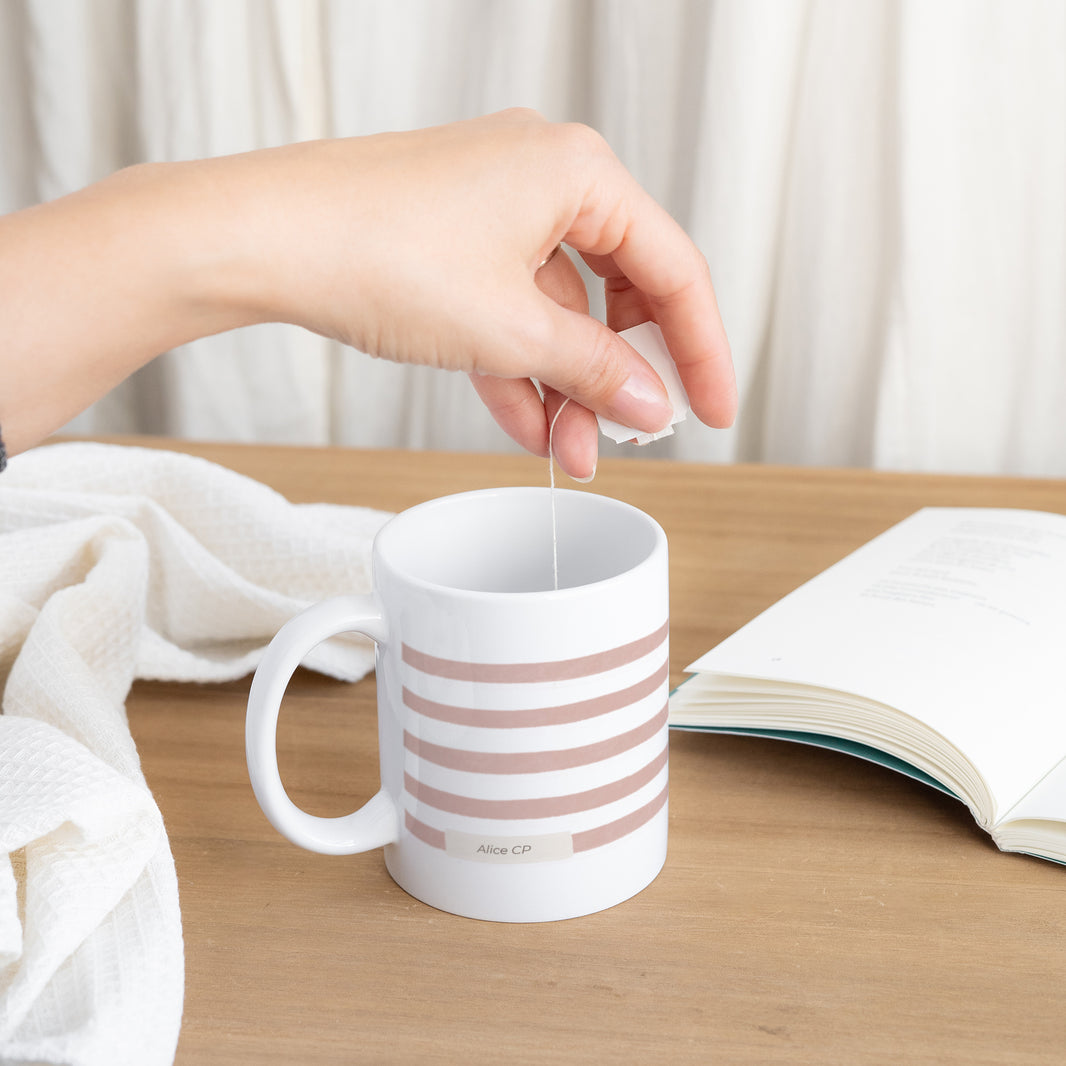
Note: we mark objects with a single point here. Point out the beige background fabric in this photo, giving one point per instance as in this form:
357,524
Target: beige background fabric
878,187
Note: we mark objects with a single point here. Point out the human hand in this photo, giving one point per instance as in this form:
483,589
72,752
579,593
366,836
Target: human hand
429,247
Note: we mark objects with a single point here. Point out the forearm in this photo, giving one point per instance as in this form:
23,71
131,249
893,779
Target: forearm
94,285
428,247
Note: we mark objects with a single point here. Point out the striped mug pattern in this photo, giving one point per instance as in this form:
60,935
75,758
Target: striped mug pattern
594,792
522,728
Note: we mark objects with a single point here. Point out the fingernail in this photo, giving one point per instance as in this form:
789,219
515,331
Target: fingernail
585,480
641,403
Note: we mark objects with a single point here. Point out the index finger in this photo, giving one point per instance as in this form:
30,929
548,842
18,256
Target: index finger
652,269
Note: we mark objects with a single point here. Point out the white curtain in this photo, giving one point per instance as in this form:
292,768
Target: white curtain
878,185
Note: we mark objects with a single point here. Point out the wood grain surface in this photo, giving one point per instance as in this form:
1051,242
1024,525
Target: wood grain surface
813,909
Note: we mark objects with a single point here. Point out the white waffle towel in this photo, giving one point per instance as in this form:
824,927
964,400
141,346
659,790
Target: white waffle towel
119,563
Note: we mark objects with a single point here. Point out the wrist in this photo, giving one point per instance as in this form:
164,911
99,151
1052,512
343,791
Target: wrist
200,267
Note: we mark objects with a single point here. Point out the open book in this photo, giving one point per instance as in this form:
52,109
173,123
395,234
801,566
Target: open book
938,648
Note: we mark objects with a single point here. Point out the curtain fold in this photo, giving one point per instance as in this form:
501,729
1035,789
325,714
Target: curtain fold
878,188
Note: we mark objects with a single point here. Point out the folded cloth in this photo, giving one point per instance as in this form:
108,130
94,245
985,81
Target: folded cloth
119,563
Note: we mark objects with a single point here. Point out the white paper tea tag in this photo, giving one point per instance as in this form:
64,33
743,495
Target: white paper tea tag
647,338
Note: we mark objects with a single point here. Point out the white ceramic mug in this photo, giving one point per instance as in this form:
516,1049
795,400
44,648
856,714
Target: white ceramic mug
522,728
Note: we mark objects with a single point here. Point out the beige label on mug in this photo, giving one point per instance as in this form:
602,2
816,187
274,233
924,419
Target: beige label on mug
543,848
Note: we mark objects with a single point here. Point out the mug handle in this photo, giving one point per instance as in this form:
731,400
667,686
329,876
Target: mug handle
375,823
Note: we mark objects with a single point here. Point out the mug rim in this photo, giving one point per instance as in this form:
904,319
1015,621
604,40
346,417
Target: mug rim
380,548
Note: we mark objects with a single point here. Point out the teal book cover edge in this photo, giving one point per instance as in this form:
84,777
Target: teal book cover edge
824,740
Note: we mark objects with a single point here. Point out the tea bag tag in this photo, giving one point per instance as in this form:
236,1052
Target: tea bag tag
647,338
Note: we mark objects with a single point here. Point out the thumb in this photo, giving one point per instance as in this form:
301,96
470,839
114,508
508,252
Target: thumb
593,365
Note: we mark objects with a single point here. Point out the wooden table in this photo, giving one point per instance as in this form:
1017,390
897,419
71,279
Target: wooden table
813,909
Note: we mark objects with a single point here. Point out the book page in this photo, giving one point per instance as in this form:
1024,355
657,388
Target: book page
1037,823
1045,801
956,617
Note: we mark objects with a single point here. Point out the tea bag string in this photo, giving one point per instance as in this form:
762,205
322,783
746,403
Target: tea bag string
551,485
